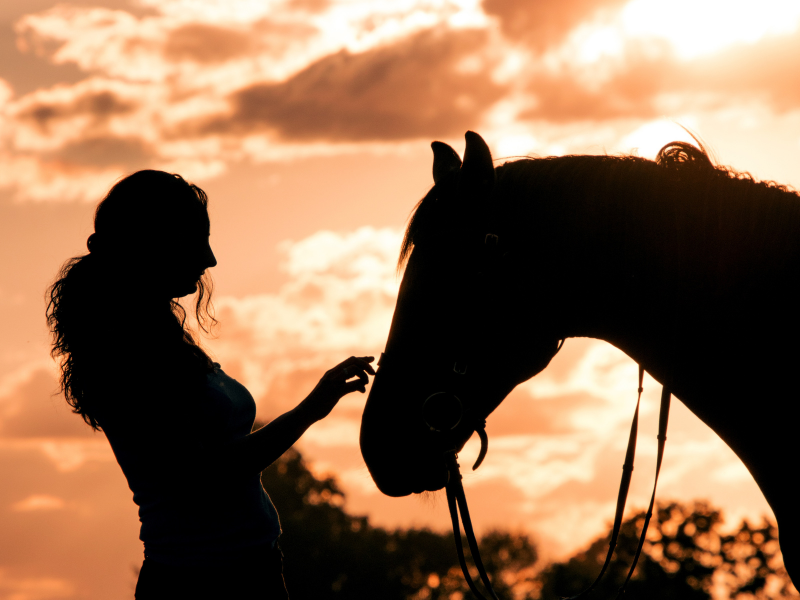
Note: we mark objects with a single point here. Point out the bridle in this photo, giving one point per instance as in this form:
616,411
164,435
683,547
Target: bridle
444,411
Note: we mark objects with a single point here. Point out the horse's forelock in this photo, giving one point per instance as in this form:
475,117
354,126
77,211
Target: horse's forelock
423,221
415,223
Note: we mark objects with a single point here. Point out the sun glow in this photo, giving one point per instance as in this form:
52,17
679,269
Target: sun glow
650,137
699,27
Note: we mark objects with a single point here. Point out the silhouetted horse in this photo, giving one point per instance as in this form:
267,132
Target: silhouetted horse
692,270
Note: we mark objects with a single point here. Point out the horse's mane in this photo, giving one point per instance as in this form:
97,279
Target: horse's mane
679,170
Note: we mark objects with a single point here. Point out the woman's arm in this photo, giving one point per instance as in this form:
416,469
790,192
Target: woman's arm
256,451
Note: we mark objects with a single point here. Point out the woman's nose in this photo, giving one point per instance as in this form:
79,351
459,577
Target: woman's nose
211,260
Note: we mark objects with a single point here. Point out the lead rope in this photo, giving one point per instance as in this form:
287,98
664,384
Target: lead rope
457,500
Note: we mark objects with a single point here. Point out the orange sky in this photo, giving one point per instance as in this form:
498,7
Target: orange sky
308,122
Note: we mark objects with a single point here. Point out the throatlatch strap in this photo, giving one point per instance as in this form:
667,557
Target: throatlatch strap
624,485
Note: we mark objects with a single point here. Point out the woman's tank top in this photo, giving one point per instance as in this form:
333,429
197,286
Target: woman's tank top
190,514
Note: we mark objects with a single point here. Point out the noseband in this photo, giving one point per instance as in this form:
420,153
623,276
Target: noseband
444,411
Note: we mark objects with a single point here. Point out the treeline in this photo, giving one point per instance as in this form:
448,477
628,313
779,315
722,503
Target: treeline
332,554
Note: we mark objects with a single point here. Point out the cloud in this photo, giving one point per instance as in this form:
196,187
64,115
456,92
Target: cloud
195,87
205,43
31,408
97,105
613,67
414,88
647,80
544,23
39,502
209,45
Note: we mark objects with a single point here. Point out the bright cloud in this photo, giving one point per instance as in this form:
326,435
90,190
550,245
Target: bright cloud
197,86
694,27
200,85
39,502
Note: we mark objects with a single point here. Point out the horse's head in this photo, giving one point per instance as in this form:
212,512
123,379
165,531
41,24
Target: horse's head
464,331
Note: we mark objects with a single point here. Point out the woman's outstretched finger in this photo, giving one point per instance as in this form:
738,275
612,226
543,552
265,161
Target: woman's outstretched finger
364,362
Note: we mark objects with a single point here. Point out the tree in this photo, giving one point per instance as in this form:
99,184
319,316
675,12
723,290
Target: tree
331,554
684,556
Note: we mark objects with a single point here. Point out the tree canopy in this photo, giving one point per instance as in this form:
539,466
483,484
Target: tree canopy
687,553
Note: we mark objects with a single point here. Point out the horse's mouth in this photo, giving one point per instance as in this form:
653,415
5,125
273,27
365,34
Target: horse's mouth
399,484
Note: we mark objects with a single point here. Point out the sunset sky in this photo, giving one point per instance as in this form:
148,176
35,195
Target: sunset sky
308,122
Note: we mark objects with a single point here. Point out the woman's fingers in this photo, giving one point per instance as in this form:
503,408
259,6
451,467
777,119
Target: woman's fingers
354,366
357,363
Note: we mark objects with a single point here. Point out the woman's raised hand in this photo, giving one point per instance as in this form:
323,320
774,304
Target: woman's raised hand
336,383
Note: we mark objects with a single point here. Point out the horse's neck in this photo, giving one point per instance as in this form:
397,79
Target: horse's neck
651,275
701,293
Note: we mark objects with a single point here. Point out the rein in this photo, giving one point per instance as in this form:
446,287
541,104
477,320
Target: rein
443,411
457,500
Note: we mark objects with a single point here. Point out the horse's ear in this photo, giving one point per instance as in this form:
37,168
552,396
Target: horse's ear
477,172
445,161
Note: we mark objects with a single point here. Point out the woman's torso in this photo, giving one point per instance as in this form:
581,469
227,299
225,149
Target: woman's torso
171,445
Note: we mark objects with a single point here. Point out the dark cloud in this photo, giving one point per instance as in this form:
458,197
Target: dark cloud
768,71
544,23
33,409
410,89
210,44
206,44
100,105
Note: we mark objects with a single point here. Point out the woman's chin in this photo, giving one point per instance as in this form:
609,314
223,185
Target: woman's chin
186,290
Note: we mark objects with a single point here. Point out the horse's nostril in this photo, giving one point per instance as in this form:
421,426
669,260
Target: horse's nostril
442,411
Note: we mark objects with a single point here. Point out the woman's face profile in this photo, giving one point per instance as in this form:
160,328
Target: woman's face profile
181,260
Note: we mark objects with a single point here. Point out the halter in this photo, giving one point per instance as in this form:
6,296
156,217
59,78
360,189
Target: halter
444,411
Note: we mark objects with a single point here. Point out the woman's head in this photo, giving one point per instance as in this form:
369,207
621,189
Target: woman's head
150,246
154,224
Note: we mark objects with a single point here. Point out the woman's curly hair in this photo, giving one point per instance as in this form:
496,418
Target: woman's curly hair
93,291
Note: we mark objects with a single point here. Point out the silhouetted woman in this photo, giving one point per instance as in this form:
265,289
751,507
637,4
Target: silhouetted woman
178,425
